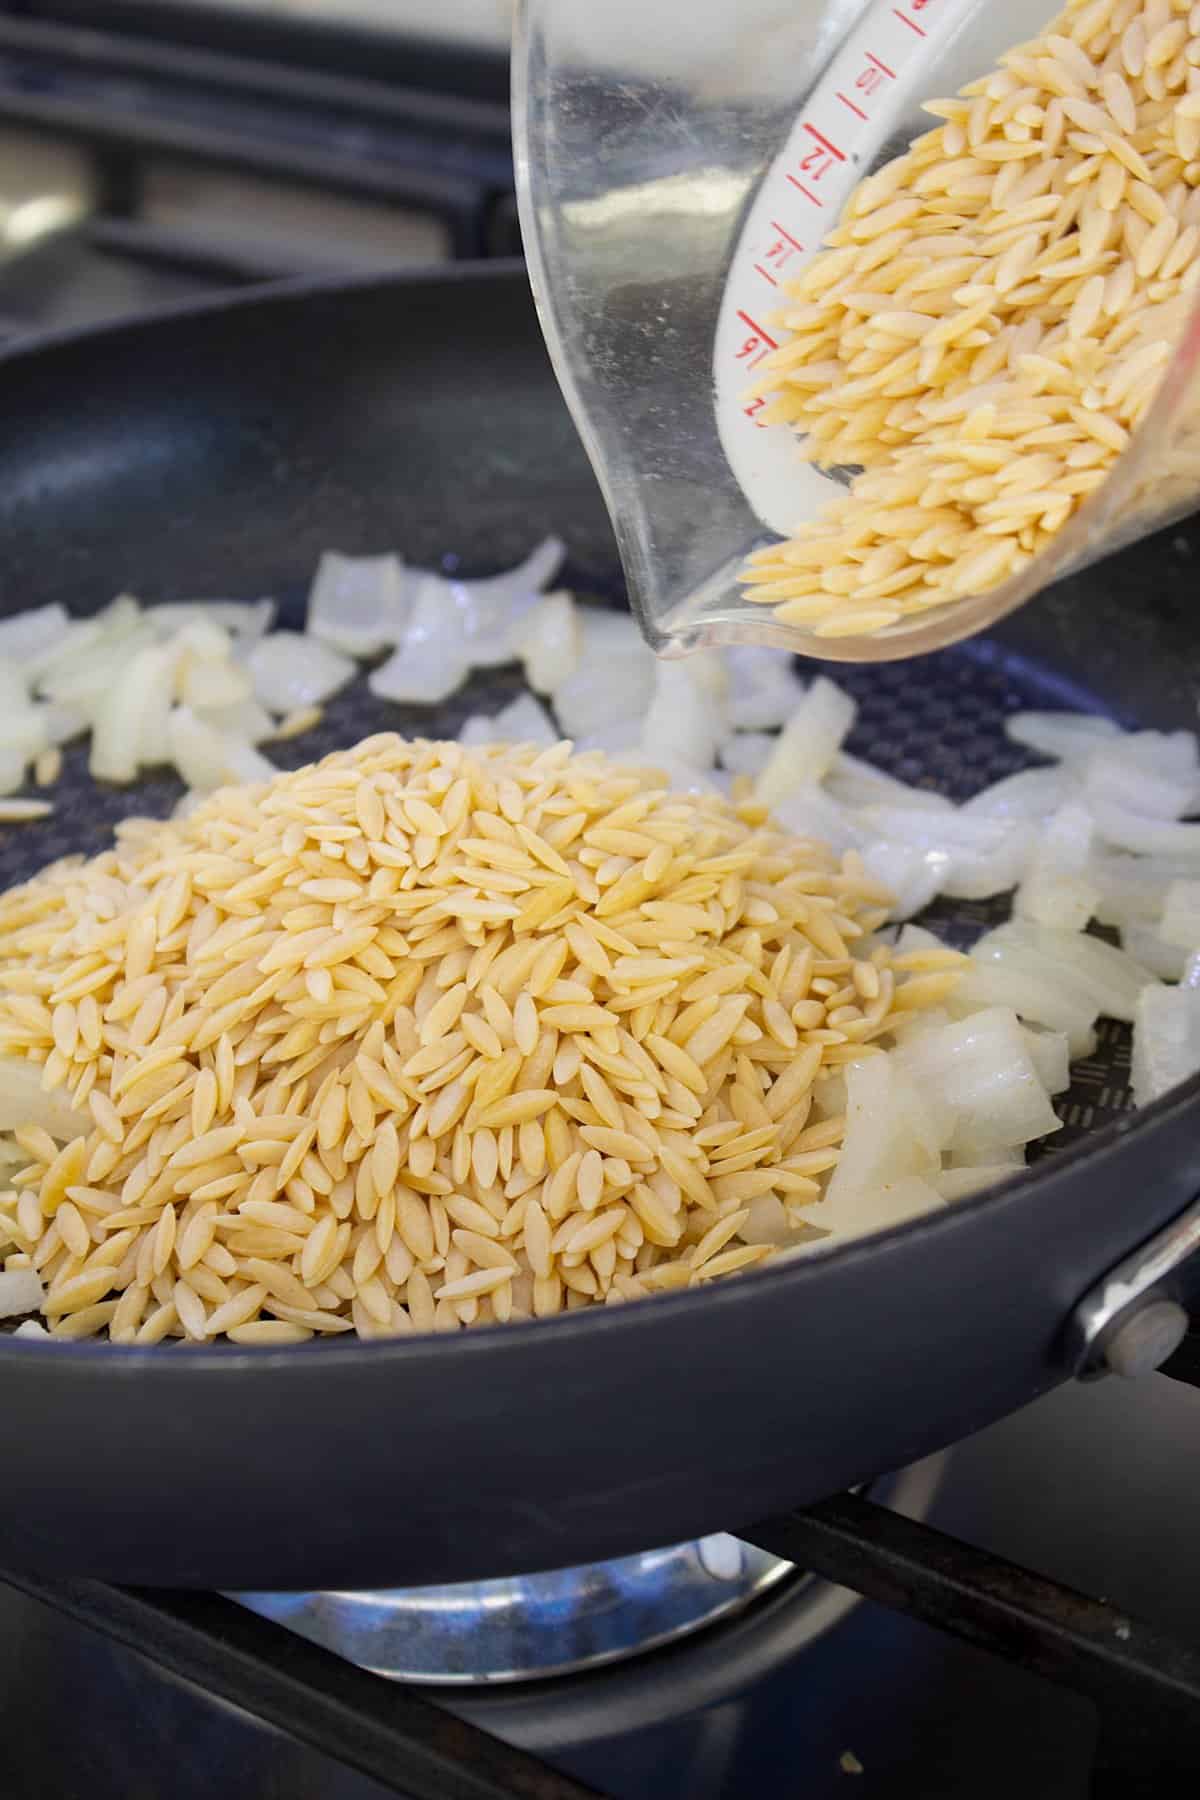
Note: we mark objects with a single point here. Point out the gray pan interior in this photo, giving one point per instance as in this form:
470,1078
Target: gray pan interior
216,452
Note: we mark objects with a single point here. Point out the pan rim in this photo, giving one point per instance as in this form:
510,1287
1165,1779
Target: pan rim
229,1359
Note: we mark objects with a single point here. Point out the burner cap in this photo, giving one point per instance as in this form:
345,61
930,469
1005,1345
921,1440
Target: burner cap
525,1627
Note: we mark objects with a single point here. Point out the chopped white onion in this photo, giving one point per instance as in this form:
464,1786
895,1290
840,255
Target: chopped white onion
1059,734
980,1069
746,752
1031,794
854,783
291,670
808,812
764,689
911,875
958,1184
31,1329
199,753
492,611
984,856
1115,776
1168,961
684,722
26,637
549,642
1181,915
1051,1057
1128,830
21,1291
808,743
24,1101
613,680
891,1132
525,721
359,604
1109,975
248,620
246,720
1166,1041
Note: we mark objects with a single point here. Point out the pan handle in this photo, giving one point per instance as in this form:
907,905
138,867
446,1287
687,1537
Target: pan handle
1133,1320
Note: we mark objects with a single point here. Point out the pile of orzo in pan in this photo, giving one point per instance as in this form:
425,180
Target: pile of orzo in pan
420,1037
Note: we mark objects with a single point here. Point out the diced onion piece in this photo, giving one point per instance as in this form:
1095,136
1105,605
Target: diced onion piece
549,642
14,687
619,739
890,1133
23,729
764,689
292,670
1167,961
246,720
243,763
981,1069
853,782
26,637
767,1222
524,721
477,731
808,742
614,679
874,1209
958,1184
23,1101
684,722
1032,794
808,812
493,611
1133,888
911,875
1008,983
1051,1056
1181,915
746,752
247,620
31,1329
1128,830
1108,975
21,1291
1166,1041
207,685
1115,777
199,753
1059,734
359,604
984,856
134,710
1053,897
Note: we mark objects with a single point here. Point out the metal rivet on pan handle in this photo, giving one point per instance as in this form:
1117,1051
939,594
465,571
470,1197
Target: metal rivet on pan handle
1130,1322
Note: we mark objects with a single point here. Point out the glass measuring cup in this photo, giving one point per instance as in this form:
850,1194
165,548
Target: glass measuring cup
675,167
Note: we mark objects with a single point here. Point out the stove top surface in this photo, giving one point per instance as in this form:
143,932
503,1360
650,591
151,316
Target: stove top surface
1093,1486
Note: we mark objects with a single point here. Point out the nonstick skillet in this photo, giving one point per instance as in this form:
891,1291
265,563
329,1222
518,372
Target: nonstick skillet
215,452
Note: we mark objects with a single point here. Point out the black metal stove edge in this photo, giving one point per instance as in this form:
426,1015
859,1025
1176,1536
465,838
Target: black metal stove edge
379,1728
1145,1686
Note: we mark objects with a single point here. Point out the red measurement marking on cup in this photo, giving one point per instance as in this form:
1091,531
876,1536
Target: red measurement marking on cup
823,141
807,192
868,89
754,348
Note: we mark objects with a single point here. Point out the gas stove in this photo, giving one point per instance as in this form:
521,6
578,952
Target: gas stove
899,1638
